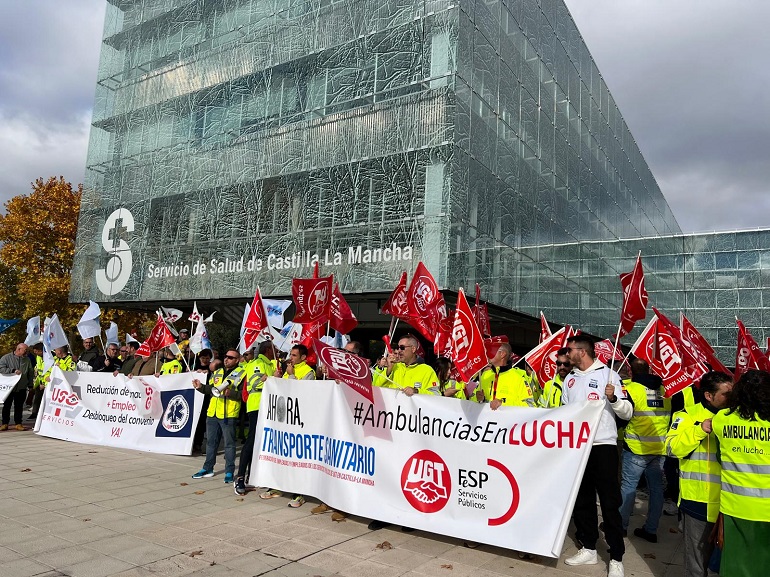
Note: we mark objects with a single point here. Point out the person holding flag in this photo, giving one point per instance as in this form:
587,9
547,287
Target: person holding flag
257,372
224,384
39,384
593,380
502,385
404,370
171,365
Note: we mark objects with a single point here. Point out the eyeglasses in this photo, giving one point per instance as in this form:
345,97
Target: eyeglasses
561,364
403,347
231,357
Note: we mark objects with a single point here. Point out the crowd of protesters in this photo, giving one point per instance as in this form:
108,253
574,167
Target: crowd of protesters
703,454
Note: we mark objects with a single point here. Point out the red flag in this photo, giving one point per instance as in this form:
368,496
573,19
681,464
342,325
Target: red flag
696,340
159,338
748,354
603,350
315,270
634,298
481,313
493,343
660,351
312,297
347,368
426,304
542,358
396,304
545,330
342,318
468,352
256,320
442,341
693,359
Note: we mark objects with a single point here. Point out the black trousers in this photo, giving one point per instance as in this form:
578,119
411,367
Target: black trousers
600,477
247,451
16,398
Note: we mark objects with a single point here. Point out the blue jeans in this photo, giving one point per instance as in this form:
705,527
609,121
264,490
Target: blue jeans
633,467
215,430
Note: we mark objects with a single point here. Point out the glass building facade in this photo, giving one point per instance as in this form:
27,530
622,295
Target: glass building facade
235,141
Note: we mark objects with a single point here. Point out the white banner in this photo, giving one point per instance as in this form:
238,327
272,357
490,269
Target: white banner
156,414
7,382
507,477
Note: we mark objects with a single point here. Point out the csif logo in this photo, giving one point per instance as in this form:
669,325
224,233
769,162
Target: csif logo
114,277
426,482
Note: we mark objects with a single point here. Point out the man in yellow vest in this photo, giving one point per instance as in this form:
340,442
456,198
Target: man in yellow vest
225,385
39,383
743,431
404,370
644,447
691,440
551,396
503,385
257,372
171,365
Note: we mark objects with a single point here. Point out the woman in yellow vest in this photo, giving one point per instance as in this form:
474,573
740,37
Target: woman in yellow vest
744,447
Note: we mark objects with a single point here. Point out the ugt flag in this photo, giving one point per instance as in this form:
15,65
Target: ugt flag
634,298
468,351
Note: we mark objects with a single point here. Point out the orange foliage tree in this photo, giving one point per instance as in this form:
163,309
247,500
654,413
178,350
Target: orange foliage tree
37,233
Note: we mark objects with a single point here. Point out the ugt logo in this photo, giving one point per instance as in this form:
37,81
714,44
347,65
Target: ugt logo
113,278
426,482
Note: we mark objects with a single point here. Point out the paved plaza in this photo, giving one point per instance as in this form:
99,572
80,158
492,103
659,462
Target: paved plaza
89,511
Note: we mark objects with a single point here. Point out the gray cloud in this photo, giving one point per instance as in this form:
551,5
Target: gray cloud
50,53
690,79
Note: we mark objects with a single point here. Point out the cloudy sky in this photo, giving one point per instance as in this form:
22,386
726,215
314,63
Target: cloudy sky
689,76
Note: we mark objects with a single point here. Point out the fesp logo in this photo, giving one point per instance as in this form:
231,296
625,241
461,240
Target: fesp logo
426,482
113,278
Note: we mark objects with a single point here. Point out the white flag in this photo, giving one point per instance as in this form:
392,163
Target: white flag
55,336
195,316
171,315
200,339
112,334
275,310
130,339
89,327
33,331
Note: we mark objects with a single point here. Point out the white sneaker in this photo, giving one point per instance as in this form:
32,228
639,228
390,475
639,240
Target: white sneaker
584,557
616,569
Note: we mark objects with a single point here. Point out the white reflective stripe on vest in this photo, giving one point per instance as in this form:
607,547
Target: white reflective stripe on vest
746,491
705,477
701,456
643,439
746,468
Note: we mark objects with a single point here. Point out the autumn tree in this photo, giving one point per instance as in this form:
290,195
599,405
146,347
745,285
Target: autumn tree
37,233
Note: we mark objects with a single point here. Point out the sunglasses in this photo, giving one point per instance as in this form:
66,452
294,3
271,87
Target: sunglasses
232,358
561,364
404,347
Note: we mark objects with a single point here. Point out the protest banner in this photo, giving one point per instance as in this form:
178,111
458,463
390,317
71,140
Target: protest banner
507,477
155,414
7,382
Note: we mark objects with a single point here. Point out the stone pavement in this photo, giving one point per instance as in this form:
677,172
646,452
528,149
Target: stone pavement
88,511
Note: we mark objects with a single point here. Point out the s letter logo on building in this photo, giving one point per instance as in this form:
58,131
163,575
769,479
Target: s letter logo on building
114,277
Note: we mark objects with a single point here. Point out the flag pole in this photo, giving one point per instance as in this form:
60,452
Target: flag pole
617,338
